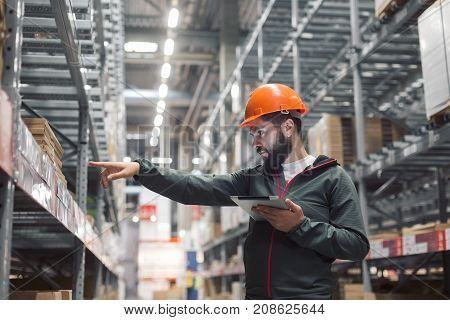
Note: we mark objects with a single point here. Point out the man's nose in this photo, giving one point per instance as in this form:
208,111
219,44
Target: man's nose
256,143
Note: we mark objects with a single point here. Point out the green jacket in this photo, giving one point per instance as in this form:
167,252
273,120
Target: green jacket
279,265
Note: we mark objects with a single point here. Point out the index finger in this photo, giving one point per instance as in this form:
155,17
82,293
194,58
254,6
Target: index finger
101,164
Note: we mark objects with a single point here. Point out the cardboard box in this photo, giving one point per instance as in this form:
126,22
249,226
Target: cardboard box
174,293
353,291
387,7
434,37
335,137
216,230
38,295
42,131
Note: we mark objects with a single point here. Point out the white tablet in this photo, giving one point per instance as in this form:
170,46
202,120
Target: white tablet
248,202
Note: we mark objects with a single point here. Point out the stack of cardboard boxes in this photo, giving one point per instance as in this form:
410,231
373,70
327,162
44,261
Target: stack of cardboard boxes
44,136
41,295
335,137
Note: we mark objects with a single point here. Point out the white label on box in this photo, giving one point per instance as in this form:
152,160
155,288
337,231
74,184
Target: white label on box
379,253
416,249
447,239
409,240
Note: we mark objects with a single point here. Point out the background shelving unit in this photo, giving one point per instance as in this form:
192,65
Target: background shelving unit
346,61
63,62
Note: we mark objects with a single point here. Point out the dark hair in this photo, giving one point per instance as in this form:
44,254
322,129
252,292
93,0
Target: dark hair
278,118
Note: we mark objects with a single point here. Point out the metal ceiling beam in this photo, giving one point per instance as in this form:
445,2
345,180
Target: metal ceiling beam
142,97
195,99
181,58
293,36
243,56
386,31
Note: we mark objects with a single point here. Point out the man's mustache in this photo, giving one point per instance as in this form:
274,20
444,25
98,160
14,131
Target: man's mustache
261,150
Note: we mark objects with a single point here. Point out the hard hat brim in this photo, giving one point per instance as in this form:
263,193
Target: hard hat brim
247,121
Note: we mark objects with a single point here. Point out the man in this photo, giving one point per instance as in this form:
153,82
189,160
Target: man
289,254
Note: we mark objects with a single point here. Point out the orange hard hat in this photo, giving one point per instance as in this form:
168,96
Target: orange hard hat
270,98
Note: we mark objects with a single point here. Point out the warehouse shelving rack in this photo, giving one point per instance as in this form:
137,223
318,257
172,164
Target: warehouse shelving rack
341,58
56,65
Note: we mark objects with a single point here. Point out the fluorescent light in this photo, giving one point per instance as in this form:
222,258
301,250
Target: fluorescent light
168,47
384,107
135,219
153,218
137,46
154,141
163,90
367,74
235,91
126,159
105,44
160,106
207,138
416,84
173,18
165,70
162,160
156,132
381,65
307,35
196,161
158,120
328,99
83,70
87,87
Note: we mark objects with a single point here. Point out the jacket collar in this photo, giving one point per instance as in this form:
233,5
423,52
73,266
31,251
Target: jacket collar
322,161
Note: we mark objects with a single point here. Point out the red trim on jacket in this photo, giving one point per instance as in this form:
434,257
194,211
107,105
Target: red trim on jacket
269,257
272,235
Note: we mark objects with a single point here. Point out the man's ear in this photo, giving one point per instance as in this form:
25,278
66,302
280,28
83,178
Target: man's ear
288,128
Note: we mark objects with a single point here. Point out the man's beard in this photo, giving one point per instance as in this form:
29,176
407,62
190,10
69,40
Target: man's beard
279,153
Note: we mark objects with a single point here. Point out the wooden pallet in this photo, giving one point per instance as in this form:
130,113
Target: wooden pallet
425,228
387,235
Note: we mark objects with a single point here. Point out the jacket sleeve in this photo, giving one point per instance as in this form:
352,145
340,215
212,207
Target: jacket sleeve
344,236
189,189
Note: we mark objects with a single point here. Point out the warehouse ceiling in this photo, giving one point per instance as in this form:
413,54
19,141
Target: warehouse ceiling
391,74
196,54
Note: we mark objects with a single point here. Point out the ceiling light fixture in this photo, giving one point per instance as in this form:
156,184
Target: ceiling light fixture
158,120
163,89
168,47
142,47
173,18
165,70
